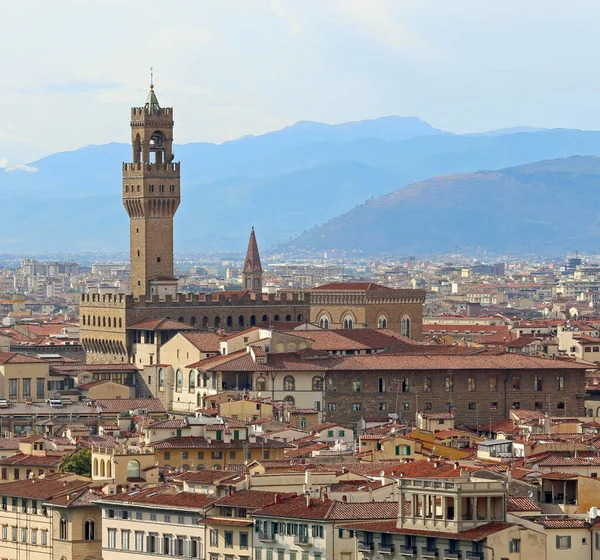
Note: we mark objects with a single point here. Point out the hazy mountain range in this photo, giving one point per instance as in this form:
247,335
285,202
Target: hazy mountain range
294,180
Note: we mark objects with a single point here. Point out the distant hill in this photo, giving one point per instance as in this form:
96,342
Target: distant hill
546,207
283,183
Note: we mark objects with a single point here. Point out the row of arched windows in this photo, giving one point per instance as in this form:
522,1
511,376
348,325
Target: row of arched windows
348,322
98,321
89,529
102,468
289,383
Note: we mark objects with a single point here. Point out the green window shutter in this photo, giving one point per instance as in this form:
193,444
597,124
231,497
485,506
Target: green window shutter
397,450
408,449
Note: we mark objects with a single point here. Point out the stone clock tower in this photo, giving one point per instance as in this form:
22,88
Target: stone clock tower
151,196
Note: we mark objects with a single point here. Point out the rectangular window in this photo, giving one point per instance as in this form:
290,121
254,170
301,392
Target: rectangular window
563,542
167,519
356,406
44,538
214,537
560,383
112,538
151,543
514,546
560,405
26,388
181,520
516,383
329,433
332,406
516,405
472,406
244,540
382,406
449,384
166,545
427,385
538,405
217,454
13,388
184,454
493,383
139,541
317,531
39,388
356,386
194,548
269,554
538,383
167,455
201,455
258,554
493,405
23,535
228,539
471,384
33,536
125,540
428,406
381,384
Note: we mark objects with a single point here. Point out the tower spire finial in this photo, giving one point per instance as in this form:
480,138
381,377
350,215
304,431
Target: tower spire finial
151,77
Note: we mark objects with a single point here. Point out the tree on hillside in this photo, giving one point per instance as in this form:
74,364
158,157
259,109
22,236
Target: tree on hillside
79,463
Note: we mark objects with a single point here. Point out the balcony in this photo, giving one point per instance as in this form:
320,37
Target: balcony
451,554
429,552
474,555
302,540
389,549
266,537
365,546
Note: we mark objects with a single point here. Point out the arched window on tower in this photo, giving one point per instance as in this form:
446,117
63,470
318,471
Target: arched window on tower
382,322
229,321
405,326
252,320
192,380
324,322
241,321
193,321
348,322
179,381
63,529
89,530
288,317
317,383
217,322
205,323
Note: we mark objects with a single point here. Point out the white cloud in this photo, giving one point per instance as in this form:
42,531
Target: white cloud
387,23
3,163
281,9
21,167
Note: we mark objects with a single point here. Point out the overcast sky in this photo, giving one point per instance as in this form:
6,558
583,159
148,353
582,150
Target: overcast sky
71,68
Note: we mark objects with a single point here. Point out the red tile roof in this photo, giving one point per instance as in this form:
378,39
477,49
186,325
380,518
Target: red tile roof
121,405
569,523
203,341
352,286
476,534
298,508
42,488
161,325
163,496
514,503
205,476
32,460
254,498
16,358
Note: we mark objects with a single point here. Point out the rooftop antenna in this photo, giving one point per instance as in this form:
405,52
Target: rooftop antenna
151,77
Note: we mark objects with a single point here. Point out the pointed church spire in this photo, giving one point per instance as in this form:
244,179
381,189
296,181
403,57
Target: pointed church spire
252,274
151,100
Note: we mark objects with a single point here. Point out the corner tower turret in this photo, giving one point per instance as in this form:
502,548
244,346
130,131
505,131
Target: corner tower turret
151,197
252,274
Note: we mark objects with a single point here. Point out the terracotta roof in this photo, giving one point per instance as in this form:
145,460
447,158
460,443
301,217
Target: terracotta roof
352,286
254,498
16,358
162,496
170,423
297,508
204,477
198,442
363,510
514,503
161,325
203,341
569,523
81,498
121,405
252,263
476,534
32,460
42,488
427,469
238,522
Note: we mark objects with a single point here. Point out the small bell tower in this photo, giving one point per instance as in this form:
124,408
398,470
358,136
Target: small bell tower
151,190
252,274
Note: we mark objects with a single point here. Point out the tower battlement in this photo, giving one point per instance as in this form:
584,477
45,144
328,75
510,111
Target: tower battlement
141,113
139,168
